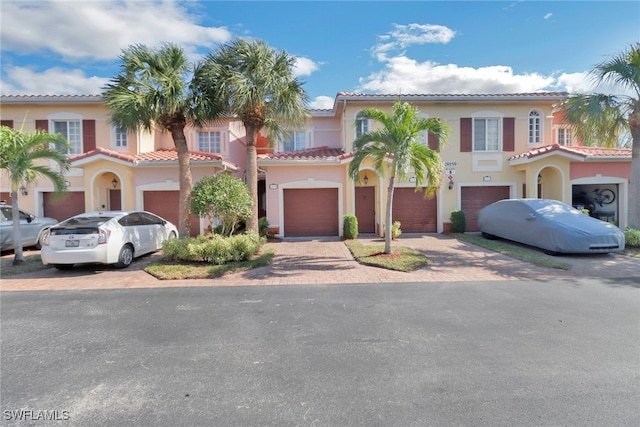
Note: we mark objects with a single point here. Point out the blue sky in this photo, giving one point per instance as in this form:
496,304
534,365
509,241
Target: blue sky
71,47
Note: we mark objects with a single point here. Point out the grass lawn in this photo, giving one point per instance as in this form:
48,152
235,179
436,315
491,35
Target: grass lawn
33,263
523,254
176,270
401,259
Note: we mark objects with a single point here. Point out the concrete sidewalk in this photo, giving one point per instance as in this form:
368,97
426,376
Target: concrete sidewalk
328,261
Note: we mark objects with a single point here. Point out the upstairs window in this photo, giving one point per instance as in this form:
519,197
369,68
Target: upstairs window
535,127
209,142
71,130
362,127
565,136
486,134
119,137
295,140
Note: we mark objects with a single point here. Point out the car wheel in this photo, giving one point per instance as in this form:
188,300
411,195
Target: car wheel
40,241
63,266
488,236
172,235
126,257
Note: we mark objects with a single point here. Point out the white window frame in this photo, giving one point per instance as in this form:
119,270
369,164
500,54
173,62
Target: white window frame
534,129
119,137
211,145
564,140
498,138
77,144
297,140
362,126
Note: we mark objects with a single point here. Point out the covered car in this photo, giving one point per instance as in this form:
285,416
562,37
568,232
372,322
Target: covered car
106,238
32,228
550,225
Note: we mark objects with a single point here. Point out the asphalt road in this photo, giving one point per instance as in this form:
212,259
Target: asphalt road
427,354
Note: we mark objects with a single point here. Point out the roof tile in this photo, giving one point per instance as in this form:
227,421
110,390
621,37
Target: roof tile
316,153
577,150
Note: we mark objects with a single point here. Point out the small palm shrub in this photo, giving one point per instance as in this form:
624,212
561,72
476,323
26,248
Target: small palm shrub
263,226
458,221
213,248
350,228
395,230
632,237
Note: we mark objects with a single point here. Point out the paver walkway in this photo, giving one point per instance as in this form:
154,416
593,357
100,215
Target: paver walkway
328,261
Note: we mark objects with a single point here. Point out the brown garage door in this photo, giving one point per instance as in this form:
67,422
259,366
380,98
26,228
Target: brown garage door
415,213
476,198
61,209
165,204
311,212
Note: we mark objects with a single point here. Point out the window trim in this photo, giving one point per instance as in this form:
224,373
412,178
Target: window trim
535,115
115,130
67,117
291,137
210,131
565,130
358,128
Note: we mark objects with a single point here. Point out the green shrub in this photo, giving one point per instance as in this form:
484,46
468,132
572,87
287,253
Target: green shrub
632,237
458,221
395,230
263,226
213,248
350,228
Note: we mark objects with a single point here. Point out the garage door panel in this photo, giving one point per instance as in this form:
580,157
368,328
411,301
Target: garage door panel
311,212
476,198
165,204
415,213
61,209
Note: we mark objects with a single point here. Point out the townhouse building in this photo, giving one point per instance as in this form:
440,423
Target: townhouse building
499,146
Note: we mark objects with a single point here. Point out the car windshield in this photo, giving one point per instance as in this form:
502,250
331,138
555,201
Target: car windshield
85,221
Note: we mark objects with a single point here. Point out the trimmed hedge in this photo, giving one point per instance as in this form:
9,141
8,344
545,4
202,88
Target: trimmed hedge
458,221
350,228
213,248
632,237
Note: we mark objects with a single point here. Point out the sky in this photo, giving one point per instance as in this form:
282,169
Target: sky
71,47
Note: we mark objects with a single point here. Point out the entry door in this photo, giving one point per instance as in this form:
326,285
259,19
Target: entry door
114,200
366,209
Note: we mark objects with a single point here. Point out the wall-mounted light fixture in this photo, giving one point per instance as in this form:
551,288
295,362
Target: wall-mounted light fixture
114,183
23,190
539,178
451,183
365,179
412,179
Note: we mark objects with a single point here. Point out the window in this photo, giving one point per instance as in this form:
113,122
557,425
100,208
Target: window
120,137
565,136
209,142
72,131
362,126
486,134
295,140
535,127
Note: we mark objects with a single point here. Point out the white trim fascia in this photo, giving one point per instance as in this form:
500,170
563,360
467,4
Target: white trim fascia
87,160
525,160
331,161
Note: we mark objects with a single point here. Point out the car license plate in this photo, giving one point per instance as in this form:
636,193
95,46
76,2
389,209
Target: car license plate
72,243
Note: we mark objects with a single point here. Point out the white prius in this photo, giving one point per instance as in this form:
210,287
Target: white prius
115,237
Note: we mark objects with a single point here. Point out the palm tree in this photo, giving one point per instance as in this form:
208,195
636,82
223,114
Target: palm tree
397,142
603,118
259,88
24,156
159,87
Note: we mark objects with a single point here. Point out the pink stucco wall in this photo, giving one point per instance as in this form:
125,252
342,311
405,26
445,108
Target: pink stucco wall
584,170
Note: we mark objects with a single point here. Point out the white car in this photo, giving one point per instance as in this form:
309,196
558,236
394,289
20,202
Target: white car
106,238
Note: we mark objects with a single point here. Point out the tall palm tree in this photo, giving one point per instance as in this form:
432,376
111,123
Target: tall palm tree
25,157
603,118
160,88
259,87
397,142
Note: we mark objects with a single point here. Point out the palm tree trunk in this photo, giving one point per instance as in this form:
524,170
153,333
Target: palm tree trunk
252,177
184,169
18,255
388,226
634,184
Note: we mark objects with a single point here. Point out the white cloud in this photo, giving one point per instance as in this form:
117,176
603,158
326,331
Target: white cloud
304,67
405,75
548,16
100,29
403,36
322,103
54,81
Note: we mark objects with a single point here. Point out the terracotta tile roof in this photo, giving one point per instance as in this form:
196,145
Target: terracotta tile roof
316,153
580,151
454,96
162,155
